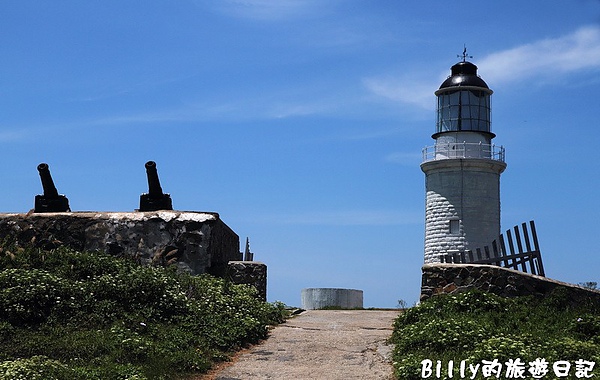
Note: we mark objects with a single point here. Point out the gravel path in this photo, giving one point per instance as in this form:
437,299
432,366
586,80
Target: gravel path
319,344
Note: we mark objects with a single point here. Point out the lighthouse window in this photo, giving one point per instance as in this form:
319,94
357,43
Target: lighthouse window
465,110
454,227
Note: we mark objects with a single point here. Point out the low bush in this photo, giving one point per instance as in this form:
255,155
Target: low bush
79,315
34,368
478,328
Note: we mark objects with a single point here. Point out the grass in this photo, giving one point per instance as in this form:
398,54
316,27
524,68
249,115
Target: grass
78,315
477,327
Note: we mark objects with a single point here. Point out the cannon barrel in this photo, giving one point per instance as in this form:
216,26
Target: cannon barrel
154,189
155,199
50,201
47,182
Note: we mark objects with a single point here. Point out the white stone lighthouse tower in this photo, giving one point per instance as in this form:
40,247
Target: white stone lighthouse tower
462,170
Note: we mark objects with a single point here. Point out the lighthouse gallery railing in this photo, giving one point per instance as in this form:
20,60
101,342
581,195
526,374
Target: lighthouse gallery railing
443,151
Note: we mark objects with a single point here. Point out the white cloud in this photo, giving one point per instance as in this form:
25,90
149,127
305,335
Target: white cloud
545,58
539,60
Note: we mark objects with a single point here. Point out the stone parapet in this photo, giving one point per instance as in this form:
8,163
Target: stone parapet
197,242
457,278
249,272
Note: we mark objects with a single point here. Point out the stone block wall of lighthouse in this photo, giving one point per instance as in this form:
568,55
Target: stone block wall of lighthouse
462,205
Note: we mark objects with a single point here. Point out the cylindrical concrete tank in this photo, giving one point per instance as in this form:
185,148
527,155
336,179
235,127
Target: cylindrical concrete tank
320,298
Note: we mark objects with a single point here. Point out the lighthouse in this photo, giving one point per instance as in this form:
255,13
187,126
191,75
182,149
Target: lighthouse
462,170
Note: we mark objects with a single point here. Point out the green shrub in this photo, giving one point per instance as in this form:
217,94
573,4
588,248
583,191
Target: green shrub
477,326
35,368
587,327
505,348
29,295
93,316
408,366
439,334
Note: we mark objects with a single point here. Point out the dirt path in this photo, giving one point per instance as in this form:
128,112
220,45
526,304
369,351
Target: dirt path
320,344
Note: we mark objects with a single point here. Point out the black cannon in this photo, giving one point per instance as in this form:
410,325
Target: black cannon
155,199
50,201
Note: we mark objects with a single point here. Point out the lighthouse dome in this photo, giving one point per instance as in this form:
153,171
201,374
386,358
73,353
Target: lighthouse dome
464,103
464,74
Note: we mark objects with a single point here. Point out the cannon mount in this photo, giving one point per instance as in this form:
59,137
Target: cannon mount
50,201
155,199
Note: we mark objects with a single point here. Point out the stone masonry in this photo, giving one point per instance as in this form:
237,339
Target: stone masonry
457,278
197,242
249,272
466,191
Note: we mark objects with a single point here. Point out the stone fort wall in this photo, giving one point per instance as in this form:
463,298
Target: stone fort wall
195,242
198,242
456,278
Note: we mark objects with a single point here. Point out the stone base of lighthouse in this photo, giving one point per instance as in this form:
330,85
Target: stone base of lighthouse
462,205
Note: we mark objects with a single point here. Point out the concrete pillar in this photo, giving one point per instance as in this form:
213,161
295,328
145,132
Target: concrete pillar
249,272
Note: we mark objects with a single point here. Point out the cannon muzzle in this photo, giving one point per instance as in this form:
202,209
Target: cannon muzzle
154,189
47,182
50,201
155,199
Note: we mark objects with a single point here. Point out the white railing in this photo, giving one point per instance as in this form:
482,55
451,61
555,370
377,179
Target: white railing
443,151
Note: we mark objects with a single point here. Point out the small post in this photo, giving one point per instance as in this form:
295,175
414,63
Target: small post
50,201
155,199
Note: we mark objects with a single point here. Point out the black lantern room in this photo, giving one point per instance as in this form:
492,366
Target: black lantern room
464,102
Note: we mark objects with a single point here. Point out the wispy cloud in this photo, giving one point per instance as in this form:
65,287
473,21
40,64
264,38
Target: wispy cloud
545,58
371,134
346,218
33,130
13,135
231,110
535,61
403,89
268,10
403,158
280,110
188,113
102,91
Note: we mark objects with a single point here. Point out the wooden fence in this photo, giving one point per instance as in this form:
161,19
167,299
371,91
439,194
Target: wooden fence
518,256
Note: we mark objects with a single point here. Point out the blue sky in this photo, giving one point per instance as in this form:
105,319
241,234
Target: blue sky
302,122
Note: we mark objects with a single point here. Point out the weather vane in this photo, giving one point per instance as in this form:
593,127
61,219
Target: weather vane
464,54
